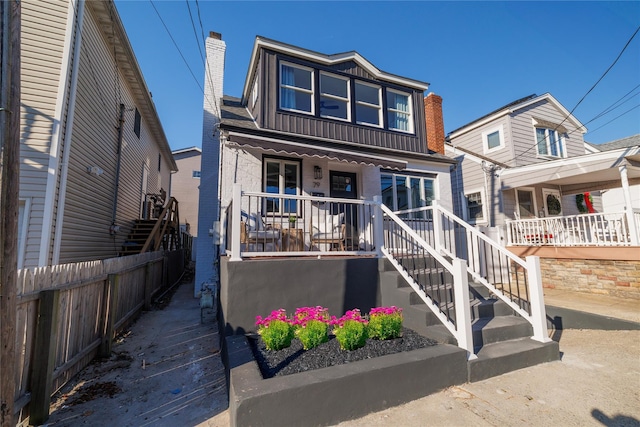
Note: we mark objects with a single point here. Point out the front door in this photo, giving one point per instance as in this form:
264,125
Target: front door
552,202
344,186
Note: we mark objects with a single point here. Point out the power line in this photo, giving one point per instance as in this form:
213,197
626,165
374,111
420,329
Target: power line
206,65
611,107
177,47
615,118
583,97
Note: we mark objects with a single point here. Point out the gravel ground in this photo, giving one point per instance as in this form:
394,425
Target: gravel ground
295,359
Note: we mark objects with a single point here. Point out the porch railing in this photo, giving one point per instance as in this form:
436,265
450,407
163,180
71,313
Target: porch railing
266,224
599,229
435,230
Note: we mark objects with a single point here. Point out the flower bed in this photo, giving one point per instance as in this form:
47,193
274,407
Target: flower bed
324,391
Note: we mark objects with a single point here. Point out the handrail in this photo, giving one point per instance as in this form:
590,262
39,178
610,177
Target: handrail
170,212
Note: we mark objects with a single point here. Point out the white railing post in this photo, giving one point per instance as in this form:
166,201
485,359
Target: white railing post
437,226
378,226
536,299
463,309
236,217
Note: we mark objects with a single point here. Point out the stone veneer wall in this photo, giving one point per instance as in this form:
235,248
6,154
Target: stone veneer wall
611,277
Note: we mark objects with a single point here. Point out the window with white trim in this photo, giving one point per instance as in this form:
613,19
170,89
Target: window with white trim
196,174
296,88
549,142
334,97
399,111
493,139
368,104
400,192
526,203
254,93
475,206
281,177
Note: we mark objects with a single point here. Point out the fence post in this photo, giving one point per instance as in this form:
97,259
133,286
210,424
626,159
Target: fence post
538,312
378,226
110,315
44,357
147,286
437,226
236,212
463,308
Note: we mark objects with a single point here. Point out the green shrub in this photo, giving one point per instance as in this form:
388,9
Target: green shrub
312,334
351,334
277,335
385,323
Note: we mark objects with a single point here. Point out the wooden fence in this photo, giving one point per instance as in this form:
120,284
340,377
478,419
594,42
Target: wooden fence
69,314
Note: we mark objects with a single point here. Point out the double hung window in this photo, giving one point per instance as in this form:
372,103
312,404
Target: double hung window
549,143
281,177
334,97
368,104
475,206
296,88
399,111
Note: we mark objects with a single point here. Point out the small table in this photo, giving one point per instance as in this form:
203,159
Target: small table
292,239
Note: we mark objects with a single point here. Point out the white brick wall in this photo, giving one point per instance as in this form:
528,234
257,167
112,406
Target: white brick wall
208,208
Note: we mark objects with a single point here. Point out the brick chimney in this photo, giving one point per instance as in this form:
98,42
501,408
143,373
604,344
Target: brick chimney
434,122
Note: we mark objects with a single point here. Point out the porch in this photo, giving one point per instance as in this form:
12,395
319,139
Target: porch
590,230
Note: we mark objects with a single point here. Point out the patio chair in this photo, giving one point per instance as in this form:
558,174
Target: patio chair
328,229
259,234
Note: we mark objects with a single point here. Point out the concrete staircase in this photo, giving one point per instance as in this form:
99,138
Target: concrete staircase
501,338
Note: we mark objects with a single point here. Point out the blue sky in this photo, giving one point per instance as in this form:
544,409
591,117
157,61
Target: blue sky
478,56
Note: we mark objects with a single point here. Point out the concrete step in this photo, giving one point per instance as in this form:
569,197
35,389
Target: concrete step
499,358
500,328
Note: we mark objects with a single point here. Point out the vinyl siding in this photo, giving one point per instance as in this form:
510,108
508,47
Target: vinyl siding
523,133
89,198
184,187
306,125
43,31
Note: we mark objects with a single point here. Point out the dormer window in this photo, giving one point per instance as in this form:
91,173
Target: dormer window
296,88
549,143
368,104
334,97
399,111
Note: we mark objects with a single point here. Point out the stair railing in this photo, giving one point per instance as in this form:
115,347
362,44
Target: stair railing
165,229
427,272
515,281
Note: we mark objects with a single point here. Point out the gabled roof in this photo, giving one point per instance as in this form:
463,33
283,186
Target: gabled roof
512,107
186,150
321,58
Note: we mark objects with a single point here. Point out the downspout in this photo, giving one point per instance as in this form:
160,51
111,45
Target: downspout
113,228
66,147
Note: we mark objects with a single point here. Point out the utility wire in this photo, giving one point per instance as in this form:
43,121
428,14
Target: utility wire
206,65
583,97
177,47
615,118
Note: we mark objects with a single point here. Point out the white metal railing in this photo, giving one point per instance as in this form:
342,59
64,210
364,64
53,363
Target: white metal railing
420,243
265,224
599,229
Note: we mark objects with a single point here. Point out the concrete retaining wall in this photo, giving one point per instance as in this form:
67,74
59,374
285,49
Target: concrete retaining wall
257,287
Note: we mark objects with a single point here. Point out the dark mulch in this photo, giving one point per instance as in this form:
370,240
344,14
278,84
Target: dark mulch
295,359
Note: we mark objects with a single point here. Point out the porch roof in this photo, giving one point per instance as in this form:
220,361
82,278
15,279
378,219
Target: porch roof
299,149
597,171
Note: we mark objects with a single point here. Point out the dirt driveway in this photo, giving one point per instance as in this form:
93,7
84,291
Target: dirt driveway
165,371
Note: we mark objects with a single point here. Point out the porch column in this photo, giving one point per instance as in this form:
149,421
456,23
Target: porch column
236,217
628,209
378,226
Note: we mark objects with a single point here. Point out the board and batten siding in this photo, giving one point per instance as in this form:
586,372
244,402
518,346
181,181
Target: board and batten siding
43,35
524,134
90,198
306,125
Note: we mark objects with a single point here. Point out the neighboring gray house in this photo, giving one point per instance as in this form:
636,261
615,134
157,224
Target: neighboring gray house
523,175
613,200
91,145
